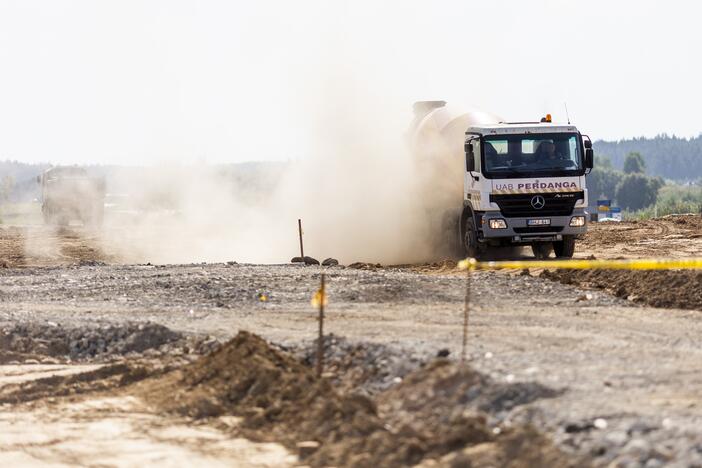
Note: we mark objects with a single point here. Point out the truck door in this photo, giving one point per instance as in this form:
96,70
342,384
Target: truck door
471,186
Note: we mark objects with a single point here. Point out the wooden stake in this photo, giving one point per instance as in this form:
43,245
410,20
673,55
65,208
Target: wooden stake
466,308
299,229
320,339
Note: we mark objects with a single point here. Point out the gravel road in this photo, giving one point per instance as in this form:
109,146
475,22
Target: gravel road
629,376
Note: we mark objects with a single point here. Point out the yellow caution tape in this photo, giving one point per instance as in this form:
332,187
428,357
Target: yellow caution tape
630,264
319,299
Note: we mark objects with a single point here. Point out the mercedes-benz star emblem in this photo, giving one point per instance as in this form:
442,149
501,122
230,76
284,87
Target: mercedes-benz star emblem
538,202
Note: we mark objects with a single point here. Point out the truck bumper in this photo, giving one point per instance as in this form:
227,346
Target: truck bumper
519,231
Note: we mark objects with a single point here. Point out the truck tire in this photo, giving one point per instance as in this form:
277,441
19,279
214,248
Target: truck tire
472,246
452,246
541,250
565,248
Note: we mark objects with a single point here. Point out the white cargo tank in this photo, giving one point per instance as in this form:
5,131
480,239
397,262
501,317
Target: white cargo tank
436,140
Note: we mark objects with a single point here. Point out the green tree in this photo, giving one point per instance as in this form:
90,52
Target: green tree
634,163
636,191
602,183
603,162
667,156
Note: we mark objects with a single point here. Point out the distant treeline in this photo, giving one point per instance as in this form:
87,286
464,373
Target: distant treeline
18,181
665,156
21,172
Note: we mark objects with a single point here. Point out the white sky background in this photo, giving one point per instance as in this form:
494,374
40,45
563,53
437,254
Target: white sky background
138,82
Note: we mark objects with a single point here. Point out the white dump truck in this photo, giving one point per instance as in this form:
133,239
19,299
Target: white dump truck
523,183
70,194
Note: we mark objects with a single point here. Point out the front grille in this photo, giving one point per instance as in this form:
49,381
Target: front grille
519,205
537,229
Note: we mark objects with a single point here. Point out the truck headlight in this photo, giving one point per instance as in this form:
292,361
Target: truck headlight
577,221
498,224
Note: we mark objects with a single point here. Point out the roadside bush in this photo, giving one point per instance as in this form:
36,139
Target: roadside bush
637,191
672,199
634,163
602,182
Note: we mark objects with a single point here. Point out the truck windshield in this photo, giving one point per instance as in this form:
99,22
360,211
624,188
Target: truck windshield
532,155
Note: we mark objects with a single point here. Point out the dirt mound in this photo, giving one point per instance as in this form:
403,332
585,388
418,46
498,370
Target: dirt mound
439,267
447,406
669,289
365,266
278,396
279,399
83,342
668,236
368,368
429,395
444,266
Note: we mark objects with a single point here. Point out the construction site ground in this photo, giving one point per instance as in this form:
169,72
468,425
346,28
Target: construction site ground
110,364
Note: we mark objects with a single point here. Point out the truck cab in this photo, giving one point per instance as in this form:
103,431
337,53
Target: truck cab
524,184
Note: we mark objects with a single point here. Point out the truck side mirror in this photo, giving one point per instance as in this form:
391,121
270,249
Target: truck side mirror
589,158
38,179
470,159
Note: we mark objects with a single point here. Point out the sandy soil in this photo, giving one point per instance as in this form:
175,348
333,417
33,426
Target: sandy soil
670,236
122,431
51,246
624,377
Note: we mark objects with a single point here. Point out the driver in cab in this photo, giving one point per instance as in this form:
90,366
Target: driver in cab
547,152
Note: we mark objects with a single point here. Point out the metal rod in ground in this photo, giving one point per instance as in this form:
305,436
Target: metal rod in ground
299,230
466,309
320,339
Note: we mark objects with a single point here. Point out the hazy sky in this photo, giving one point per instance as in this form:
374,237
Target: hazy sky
144,81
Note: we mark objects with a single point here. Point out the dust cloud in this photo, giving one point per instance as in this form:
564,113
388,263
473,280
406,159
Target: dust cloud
366,192
374,187
356,195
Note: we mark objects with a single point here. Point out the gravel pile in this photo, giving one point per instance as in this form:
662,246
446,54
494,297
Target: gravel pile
368,368
89,342
635,442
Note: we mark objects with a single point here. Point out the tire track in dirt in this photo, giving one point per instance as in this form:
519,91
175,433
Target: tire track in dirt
47,246
669,236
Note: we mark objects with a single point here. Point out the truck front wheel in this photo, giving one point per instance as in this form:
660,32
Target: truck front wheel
565,248
541,250
473,247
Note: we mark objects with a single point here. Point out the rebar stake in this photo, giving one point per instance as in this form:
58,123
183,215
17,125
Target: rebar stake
320,340
466,309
